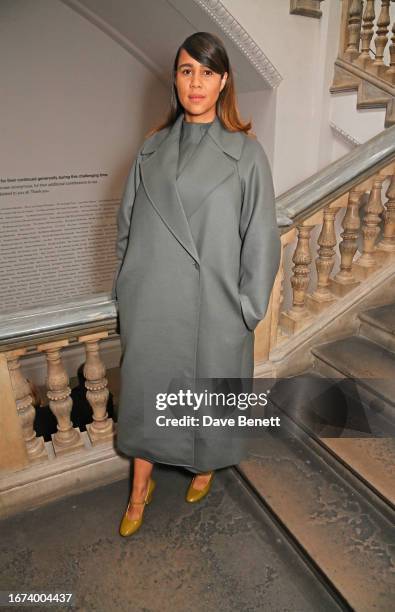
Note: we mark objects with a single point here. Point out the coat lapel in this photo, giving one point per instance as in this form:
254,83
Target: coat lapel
207,168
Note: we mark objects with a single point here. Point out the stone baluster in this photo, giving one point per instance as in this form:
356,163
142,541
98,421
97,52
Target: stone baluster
102,427
35,445
366,34
345,280
381,39
278,298
277,335
325,261
367,262
67,438
267,332
354,30
390,74
279,291
387,244
298,316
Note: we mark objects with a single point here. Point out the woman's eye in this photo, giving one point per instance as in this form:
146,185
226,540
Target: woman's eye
188,71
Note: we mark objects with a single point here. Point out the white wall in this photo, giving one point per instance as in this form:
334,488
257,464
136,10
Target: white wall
72,101
303,50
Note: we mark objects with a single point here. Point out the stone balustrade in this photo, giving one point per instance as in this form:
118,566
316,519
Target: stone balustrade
366,57
350,205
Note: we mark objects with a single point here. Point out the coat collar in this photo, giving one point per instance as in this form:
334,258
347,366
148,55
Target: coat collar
230,143
208,167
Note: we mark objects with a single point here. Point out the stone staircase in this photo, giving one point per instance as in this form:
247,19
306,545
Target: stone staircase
369,95
334,494
368,356
365,64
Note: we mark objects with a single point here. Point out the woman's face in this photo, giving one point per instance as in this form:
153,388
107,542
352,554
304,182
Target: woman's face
198,88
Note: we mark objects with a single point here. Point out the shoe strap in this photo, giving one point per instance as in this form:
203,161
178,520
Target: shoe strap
133,503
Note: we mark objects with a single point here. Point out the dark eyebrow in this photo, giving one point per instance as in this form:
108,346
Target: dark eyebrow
191,65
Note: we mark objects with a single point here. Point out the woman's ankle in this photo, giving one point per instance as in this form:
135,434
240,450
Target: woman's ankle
140,487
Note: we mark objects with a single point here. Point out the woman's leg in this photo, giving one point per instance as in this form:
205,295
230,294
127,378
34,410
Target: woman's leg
141,475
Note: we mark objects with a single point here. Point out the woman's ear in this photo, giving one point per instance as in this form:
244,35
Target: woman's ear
223,81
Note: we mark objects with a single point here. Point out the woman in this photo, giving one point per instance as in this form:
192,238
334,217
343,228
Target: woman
198,248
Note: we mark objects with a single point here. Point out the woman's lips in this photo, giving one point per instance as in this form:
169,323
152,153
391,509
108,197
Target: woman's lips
196,98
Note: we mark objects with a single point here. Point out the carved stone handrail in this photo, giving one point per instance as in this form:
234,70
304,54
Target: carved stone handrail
338,178
27,327
355,194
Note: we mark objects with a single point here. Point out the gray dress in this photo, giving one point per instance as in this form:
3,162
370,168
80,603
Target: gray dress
190,137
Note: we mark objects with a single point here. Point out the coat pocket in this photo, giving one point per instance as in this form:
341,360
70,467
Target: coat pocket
115,280
243,316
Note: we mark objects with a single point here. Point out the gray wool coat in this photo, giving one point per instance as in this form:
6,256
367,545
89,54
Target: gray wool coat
191,290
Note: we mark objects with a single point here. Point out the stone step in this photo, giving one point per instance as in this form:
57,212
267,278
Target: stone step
370,96
367,447
320,503
378,324
372,460
335,414
371,366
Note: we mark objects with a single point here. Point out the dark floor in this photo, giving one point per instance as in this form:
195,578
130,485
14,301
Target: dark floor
221,554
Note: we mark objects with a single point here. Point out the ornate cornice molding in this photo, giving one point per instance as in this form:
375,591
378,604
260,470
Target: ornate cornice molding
217,13
235,31
308,8
344,135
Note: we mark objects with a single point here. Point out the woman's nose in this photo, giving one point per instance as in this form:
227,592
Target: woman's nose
195,80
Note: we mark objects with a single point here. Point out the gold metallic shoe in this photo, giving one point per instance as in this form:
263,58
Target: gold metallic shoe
129,526
194,495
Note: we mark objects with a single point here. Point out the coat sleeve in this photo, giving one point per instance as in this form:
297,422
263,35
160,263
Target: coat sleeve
124,217
261,244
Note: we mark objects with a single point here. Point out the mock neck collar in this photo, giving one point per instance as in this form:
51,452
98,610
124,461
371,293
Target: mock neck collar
230,142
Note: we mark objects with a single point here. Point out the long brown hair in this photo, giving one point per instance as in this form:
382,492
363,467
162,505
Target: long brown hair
208,49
